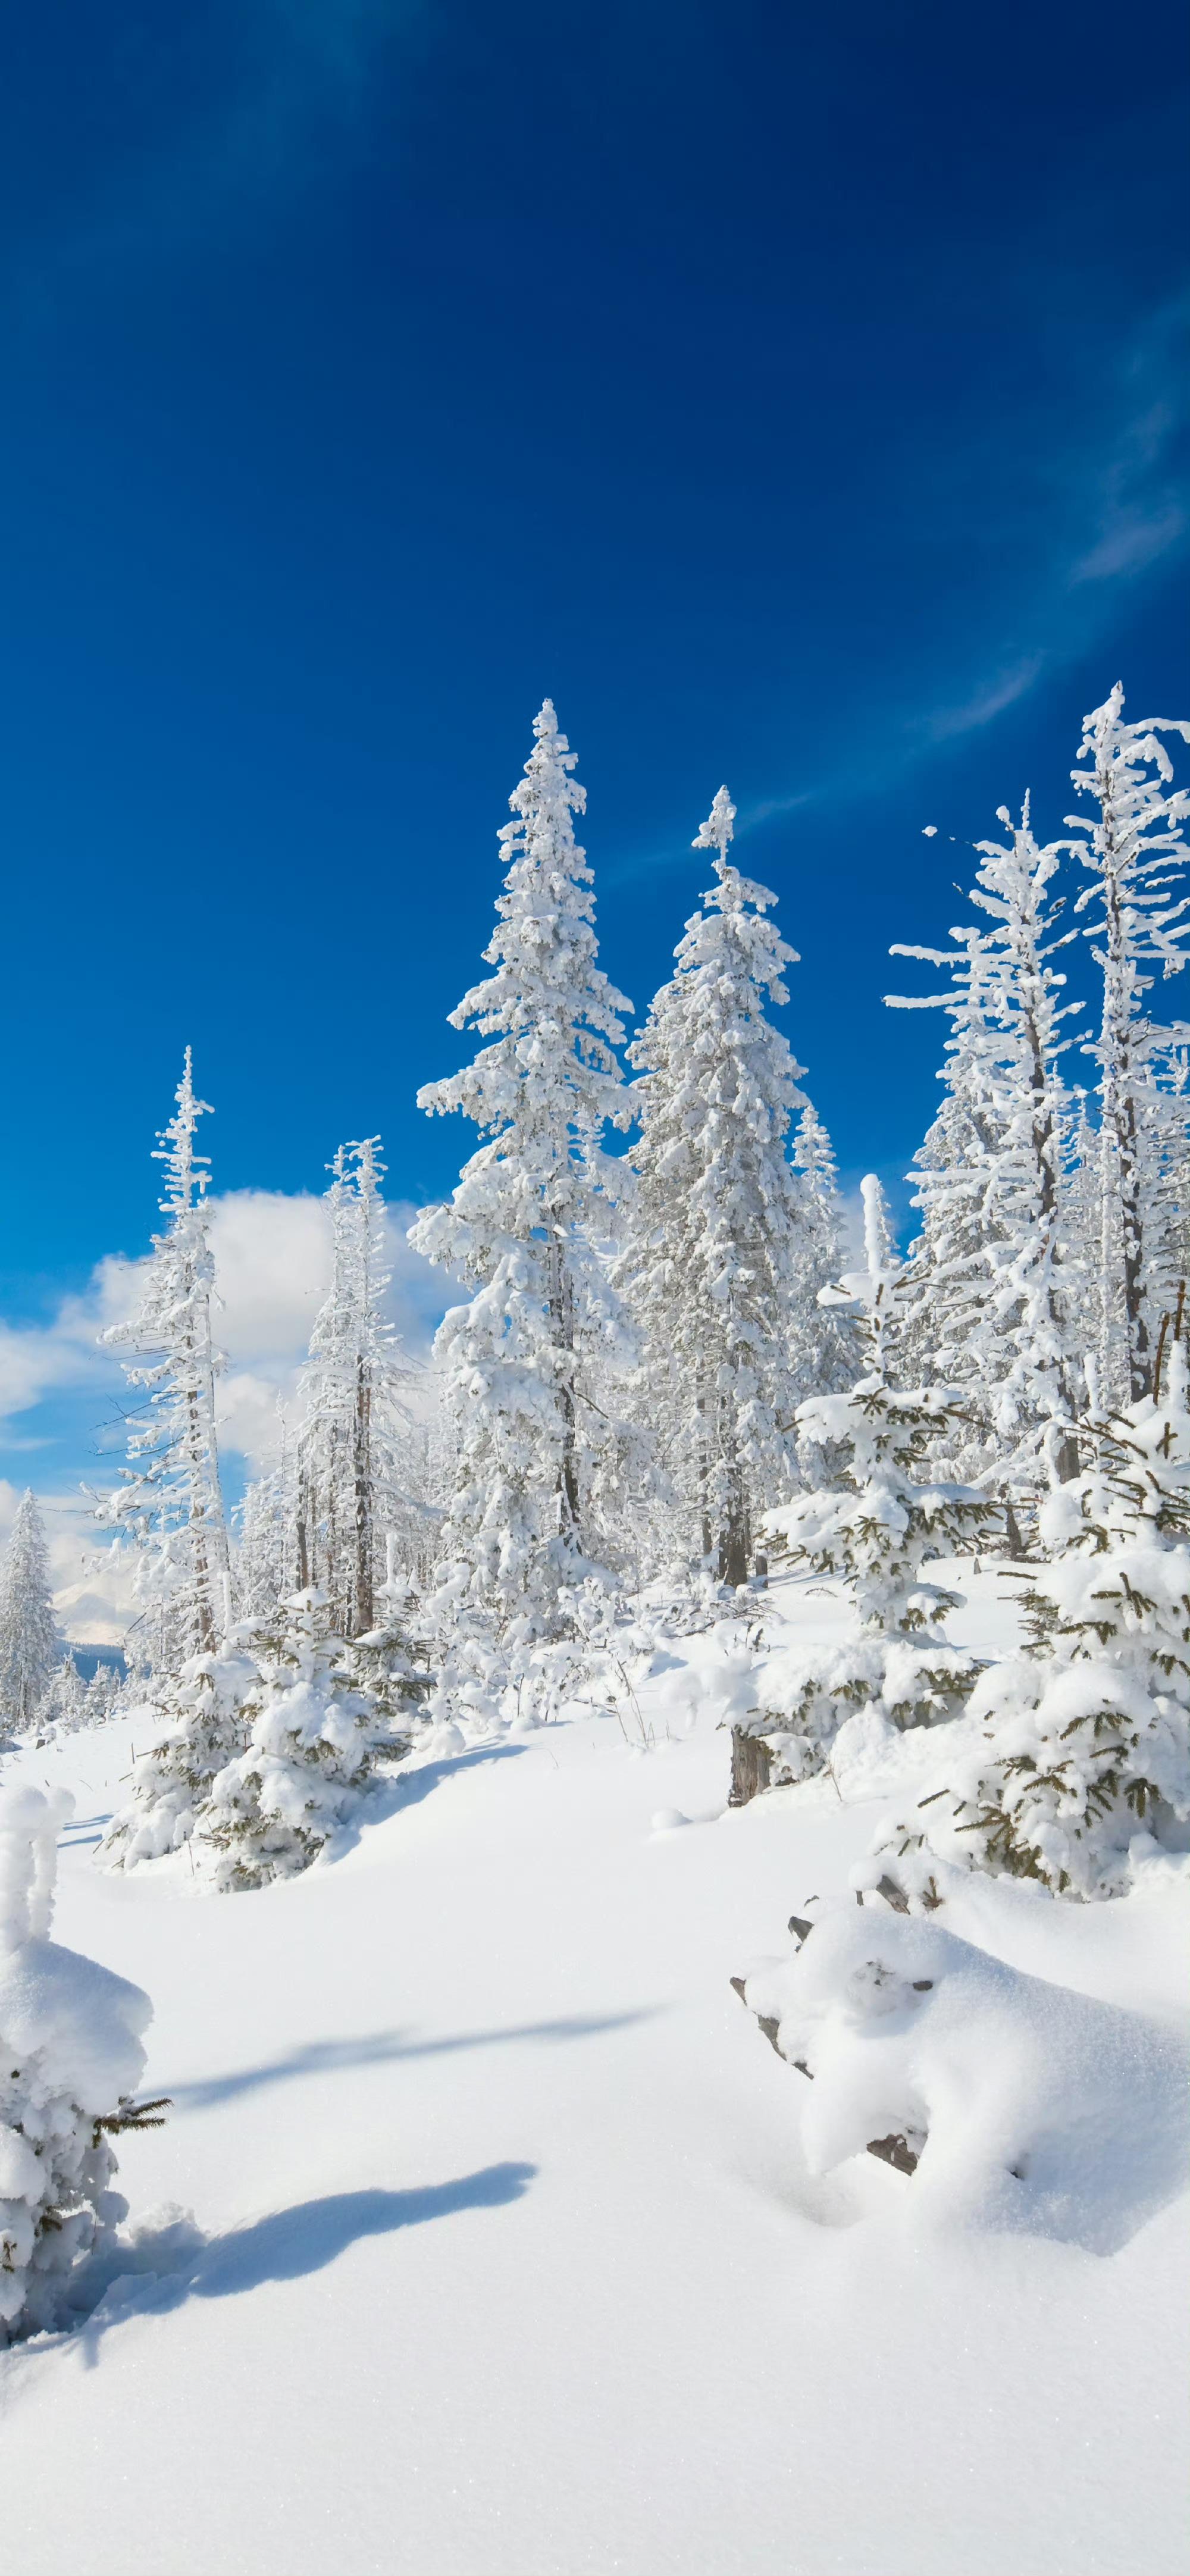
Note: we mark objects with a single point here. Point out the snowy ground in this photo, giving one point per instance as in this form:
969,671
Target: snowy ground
513,2263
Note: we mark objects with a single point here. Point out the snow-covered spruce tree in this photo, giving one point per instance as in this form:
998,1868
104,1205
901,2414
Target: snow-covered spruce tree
1136,853
101,1696
996,1285
349,1449
313,1747
67,1704
720,1240
1073,1766
266,1535
199,1719
70,2058
30,1646
876,1532
538,1461
170,1500
826,1352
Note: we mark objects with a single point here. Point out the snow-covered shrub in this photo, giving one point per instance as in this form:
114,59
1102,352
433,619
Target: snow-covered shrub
70,2058
1015,2103
206,1713
875,1532
312,1749
382,1665
1074,1768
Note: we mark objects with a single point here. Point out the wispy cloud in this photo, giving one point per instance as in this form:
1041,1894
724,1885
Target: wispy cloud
988,701
1138,538
1086,511
765,808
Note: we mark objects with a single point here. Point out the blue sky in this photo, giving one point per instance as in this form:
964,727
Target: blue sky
798,397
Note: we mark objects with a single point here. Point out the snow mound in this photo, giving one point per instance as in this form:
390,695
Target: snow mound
1031,2108
70,2036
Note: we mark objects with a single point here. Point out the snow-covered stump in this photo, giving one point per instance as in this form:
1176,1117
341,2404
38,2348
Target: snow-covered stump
1015,2104
898,2149
70,2059
751,1767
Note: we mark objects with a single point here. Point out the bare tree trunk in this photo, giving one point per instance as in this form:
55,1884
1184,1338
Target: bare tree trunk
361,1618
751,1767
562,1317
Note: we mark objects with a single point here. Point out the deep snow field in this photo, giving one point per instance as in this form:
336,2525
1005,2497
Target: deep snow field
507,2259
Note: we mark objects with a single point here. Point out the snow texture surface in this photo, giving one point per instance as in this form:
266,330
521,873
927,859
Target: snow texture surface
516,2252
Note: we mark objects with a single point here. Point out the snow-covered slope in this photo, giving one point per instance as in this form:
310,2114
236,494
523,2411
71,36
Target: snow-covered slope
510,2259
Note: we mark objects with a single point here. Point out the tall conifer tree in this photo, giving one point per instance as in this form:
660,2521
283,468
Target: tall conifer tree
348,1450
1136,853
171,1500
718,1229
995,1279
30,1646
521,1360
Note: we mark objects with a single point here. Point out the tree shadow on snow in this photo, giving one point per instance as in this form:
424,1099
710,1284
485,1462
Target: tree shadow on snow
381,2048
389,1796
84,1829
286,2246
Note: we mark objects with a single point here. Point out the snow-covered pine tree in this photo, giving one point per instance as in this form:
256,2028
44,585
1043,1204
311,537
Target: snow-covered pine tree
266,1535
876,1532
1073,1767
524,1362
170,1499
995,1274
349,1449
199,1720
311,1753
102,1693
30,1646
1135,850
70,2059
943,1282
67,1705
826,1353
722,1240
